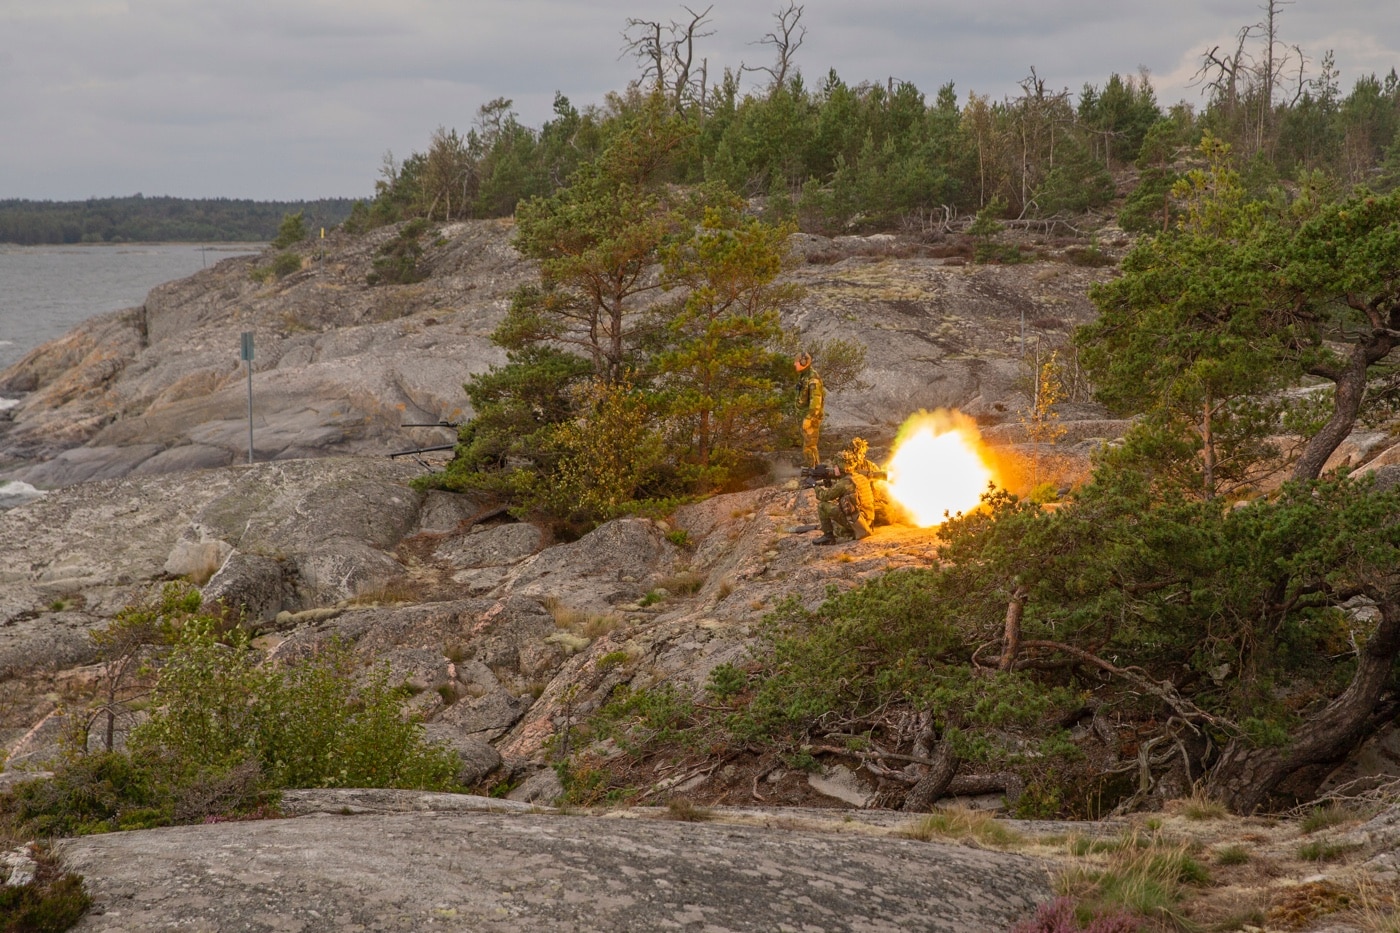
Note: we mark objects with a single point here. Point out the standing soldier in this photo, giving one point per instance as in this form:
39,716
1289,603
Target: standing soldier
810,396
847,504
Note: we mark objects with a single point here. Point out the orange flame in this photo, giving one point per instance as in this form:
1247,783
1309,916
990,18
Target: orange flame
938,468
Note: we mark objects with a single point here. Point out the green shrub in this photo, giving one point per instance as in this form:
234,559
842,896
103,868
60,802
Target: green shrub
284,264
396,262
641,719
291,231
893,640
613,659
96,793
726,680
305,723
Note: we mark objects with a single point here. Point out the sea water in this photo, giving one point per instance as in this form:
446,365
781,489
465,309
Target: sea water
46,291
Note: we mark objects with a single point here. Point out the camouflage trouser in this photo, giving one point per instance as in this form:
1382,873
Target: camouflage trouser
841,518
811,433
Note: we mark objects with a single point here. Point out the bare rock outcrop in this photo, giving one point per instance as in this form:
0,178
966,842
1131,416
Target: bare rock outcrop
274,537
518,871
341,365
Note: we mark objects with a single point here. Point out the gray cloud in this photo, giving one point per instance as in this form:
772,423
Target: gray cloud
302,98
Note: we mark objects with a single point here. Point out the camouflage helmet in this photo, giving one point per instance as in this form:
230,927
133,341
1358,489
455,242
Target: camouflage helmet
802,361
859,447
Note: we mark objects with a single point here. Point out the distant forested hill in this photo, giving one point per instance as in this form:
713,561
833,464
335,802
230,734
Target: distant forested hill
141,219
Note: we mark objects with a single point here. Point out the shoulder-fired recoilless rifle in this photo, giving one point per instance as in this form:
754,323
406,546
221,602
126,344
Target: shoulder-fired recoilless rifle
415,451
821,474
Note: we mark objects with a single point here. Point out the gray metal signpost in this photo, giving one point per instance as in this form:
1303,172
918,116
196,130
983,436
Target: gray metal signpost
246,355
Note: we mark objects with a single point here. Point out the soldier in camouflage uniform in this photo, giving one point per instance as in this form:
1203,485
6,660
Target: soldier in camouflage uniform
886,510
847,505
810,400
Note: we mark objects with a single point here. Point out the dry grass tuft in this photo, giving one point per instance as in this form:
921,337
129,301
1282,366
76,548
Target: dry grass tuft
1297,906
1199,807
1144,875
683,583
587,624
962,823
1377,910
393,593
1334,813
686,811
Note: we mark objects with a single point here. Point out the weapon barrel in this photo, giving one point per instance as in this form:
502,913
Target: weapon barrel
421,450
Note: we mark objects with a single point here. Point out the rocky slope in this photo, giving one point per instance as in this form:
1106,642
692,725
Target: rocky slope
340,365
135,421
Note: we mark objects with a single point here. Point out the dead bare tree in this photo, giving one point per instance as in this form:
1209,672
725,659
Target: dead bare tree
1221,73
786,39
667,54
1244,85
1036,114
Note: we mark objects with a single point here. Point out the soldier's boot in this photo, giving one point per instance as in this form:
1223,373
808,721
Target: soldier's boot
860,529
824,540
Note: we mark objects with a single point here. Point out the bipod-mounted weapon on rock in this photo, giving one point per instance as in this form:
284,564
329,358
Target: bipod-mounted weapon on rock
417,452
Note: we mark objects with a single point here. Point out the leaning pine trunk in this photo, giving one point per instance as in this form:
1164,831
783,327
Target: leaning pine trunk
1245,774
1346,404
931,786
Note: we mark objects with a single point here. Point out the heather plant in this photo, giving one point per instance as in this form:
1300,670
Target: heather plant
1061,916
53,901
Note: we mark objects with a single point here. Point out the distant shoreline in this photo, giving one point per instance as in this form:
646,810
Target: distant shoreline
221,245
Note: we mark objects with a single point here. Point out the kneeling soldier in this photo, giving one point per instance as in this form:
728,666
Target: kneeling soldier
885,511
846,505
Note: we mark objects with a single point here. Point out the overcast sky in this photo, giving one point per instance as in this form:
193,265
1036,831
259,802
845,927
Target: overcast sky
300,99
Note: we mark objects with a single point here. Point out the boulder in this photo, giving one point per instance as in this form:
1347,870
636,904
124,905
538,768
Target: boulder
1387,475
337,569
542,787
491,546
486,717
253,585
446,512
599,570
456,866
478,758
197,553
